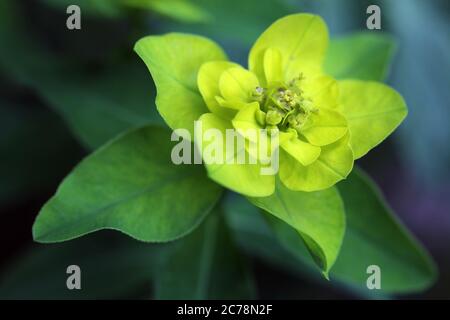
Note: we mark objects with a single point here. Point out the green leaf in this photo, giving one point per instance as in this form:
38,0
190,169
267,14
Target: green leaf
208,85
334,163
254,234
174,60
225,169
132,186
373,237
270,239
301,39
205,265
318,217
373,111
376,237
363,55
104,259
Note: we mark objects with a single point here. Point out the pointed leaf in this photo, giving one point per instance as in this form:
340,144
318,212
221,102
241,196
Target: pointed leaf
301,39
373,237
174,61
132,186
318,217
373,111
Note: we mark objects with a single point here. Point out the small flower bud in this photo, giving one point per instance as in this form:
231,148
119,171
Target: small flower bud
273,117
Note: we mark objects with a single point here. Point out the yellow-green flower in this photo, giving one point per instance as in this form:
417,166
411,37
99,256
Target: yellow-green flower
323,124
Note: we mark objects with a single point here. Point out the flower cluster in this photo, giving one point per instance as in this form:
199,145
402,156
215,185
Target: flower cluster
323,124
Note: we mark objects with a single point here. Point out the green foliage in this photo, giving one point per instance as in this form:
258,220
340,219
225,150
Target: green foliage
318,217
129,185
97,106
173,61
373,237
181,10
384,109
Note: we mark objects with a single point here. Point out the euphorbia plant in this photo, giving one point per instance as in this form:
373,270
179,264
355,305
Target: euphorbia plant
323,125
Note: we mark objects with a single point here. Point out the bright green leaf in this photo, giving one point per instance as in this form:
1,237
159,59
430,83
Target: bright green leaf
373,111
334,163
208,85
174,60
364,56
205,265
225,169
302,151
329,126
318,217
237,83
132,186
301,39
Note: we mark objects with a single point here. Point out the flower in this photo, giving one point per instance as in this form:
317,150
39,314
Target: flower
323,124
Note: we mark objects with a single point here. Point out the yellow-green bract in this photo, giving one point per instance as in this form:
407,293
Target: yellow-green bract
324,124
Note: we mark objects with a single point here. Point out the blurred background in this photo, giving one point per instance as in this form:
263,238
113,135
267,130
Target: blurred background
63,93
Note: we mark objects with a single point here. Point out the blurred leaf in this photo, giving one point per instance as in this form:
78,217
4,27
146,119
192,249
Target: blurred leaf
318,217
363,55
36,150
129,185
96,106
15,58
107,8
235,22
182,10
99,107
104,259
205,265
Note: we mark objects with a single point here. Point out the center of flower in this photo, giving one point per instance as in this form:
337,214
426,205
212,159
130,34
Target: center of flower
285,105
